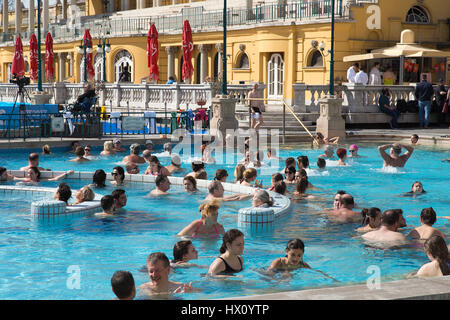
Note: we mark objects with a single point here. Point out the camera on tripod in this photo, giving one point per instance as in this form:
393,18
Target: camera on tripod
21,82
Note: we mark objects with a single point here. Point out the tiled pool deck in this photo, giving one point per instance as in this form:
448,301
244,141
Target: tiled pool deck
418,289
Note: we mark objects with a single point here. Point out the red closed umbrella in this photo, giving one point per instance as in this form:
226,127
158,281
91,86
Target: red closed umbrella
49,58
153,52
33,58
188,49
18,64
89,67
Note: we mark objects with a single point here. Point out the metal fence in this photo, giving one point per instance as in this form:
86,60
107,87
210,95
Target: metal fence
43,125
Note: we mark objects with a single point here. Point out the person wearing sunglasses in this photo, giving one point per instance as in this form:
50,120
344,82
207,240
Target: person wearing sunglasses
87,152
353,150
118,175
289,173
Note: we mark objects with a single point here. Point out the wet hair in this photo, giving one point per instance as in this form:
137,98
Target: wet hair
436,247
108,146
264,197
221,173
209,208
341,153
390,217
99,178
250,173
87,194
2,170
156,256
229,237
130,166
117,193
214,185
289,162
346,200
180,249
202,175
295,244
120,171
36,171
122,283
280,187
423,191
321,163
303,160
277,177
64,192
239,172
107,202
290,170
33,156
46,149
192,180
79,151
197,166
341,192
160,179
415,136
428,216
302,184
369,213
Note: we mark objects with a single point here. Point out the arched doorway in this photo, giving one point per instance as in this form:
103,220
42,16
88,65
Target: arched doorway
275,76
123,67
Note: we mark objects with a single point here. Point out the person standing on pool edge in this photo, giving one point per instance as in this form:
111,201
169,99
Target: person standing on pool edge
394,159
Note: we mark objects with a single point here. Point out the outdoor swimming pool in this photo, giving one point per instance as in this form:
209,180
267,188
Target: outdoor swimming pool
35,255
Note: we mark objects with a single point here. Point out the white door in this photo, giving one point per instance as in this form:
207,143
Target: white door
275,76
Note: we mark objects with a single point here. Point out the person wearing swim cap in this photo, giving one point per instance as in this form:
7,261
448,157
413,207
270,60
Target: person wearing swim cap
149,145
395,159
353,151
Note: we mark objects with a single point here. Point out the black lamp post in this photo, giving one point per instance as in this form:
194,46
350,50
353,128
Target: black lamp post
224,50
39,87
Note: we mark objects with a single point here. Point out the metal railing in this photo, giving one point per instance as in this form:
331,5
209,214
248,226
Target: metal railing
40,125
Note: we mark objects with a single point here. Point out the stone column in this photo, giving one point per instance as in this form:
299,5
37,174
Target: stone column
330,122
219,47
157,3
5,17
354,97
223,115
140,4
64,9
45,12
171,61
125,5
62,66
70,58
18,22
31,14
204,48
299,97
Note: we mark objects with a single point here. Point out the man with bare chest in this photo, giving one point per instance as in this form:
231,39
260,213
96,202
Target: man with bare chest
394,158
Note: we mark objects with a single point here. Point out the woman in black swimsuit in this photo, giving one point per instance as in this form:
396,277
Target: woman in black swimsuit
230,260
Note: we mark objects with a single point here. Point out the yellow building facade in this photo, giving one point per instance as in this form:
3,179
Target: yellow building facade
279,52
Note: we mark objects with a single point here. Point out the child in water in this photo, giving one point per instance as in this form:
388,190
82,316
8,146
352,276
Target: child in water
293,259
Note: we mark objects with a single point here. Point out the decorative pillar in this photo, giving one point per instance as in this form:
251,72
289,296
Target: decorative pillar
18,21
125,5
204,48
62,65
223,115
45,11
299,97
31,14
140,4
171,61
219,47
330,122
5,17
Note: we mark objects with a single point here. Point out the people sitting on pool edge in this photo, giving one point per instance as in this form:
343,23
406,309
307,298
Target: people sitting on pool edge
426,230
390,222
353,149
132,168
230,260
120,199
437,251
207,225
216,191
33,161
158,266
118,175
84,194
328,152
108,149
190,184
371,219
183,252
108,206
394,159
175,164
117,145
33,175
79,152
198,170
416,189
134,156
345,211
123,286
249,178
320,140
342,155
99,179
63,192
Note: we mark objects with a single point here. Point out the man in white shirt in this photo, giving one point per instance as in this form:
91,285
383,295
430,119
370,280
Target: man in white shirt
375,74
361,77
351,72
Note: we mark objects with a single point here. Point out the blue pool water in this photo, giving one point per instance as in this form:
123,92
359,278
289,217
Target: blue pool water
35,255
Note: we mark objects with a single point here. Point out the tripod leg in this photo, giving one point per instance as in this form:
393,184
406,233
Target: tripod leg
10,116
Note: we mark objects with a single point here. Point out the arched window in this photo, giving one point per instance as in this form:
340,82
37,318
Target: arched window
417,14
123,67
315,59
98,67
243,62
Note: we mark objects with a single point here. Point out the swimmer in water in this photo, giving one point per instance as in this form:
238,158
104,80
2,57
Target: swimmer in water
328,153
122,284
230,260
414,139
134,156
371,219
416,189
33,175
108,206
437,251
84,194
108,149
342,155
33,161
353,149
120,199
387,233
293,259
426,230
175,164
117,145
162,186
118,175
183,252
190,184
395,159
216,191
79,152
4,175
